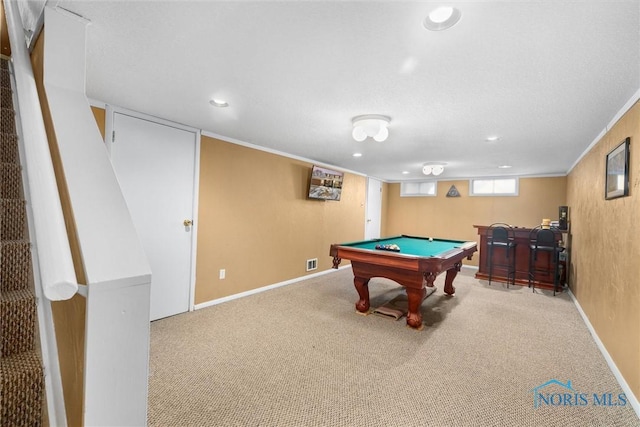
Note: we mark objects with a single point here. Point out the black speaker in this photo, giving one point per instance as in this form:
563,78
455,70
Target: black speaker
563,217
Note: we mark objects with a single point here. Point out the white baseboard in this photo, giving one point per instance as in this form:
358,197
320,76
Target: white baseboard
266,288
277,285
631,398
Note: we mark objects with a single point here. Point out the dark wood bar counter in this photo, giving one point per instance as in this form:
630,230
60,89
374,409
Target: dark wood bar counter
544,279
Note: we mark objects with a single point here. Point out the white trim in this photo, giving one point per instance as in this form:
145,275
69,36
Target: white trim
266,288
111,111
466,178
115,109
633,400
626,107
195,226
280,284
48,344
82,290
277,152
92,102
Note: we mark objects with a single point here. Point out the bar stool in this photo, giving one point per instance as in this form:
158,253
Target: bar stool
501,235
544,240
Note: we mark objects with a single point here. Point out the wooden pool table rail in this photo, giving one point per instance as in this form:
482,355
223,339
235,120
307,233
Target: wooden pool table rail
414,273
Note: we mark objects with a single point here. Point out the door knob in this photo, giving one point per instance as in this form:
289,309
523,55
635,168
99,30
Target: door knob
187,222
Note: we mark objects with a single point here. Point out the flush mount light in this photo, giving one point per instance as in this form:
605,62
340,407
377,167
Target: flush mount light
370,126
219,103
442,18
434,169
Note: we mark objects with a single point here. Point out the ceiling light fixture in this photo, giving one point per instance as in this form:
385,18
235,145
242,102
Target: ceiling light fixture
357,154
505,167
433,169
442,18
218,103
493,138
370,126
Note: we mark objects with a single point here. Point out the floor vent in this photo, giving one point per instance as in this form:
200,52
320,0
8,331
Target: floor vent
312,264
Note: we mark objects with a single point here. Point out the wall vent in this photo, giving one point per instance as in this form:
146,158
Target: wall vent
312,264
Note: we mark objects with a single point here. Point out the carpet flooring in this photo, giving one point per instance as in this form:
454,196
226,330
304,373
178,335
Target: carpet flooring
299,355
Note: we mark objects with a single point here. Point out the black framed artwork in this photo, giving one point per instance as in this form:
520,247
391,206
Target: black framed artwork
617,166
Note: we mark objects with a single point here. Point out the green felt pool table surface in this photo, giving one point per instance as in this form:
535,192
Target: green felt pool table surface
415,246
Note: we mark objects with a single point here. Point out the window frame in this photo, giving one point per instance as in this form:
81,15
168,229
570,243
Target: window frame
404,193
494,179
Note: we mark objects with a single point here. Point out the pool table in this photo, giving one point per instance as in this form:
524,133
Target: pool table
415,266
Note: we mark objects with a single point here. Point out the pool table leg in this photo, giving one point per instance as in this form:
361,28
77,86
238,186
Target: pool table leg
448,282
415,297
362,286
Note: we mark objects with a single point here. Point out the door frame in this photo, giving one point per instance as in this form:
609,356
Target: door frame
110,111
369,212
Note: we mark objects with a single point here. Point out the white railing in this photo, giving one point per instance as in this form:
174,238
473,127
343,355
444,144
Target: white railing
53,272
117,274
57,273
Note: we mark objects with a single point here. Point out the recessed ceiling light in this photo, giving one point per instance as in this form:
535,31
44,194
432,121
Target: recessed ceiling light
218,103
493,138
442,18
405,172
504,166
357,154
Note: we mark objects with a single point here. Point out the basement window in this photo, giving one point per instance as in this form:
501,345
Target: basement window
418,189
493,187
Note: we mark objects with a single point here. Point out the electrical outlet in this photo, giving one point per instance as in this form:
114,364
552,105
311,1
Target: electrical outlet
223,273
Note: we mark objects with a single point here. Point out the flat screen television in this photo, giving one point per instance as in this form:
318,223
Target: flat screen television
325,184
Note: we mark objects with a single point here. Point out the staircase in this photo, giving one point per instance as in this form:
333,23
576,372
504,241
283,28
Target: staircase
21,372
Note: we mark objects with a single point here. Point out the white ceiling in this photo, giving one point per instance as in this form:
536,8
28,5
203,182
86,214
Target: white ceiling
545,76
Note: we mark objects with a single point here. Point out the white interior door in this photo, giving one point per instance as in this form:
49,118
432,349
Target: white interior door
373,209
155,165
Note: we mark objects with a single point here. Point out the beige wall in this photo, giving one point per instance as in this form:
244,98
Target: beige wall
255,220
605,271
454,217
5,47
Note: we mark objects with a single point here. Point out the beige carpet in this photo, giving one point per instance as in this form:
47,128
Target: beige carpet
300,356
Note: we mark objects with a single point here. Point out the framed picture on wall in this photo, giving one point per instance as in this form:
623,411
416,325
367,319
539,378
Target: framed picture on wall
617,178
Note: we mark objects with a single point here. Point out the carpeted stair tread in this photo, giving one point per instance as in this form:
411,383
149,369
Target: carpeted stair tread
21,372
18,320
6,99
16,265
5,77
11,185
8,148
12,226
7,120
22,387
